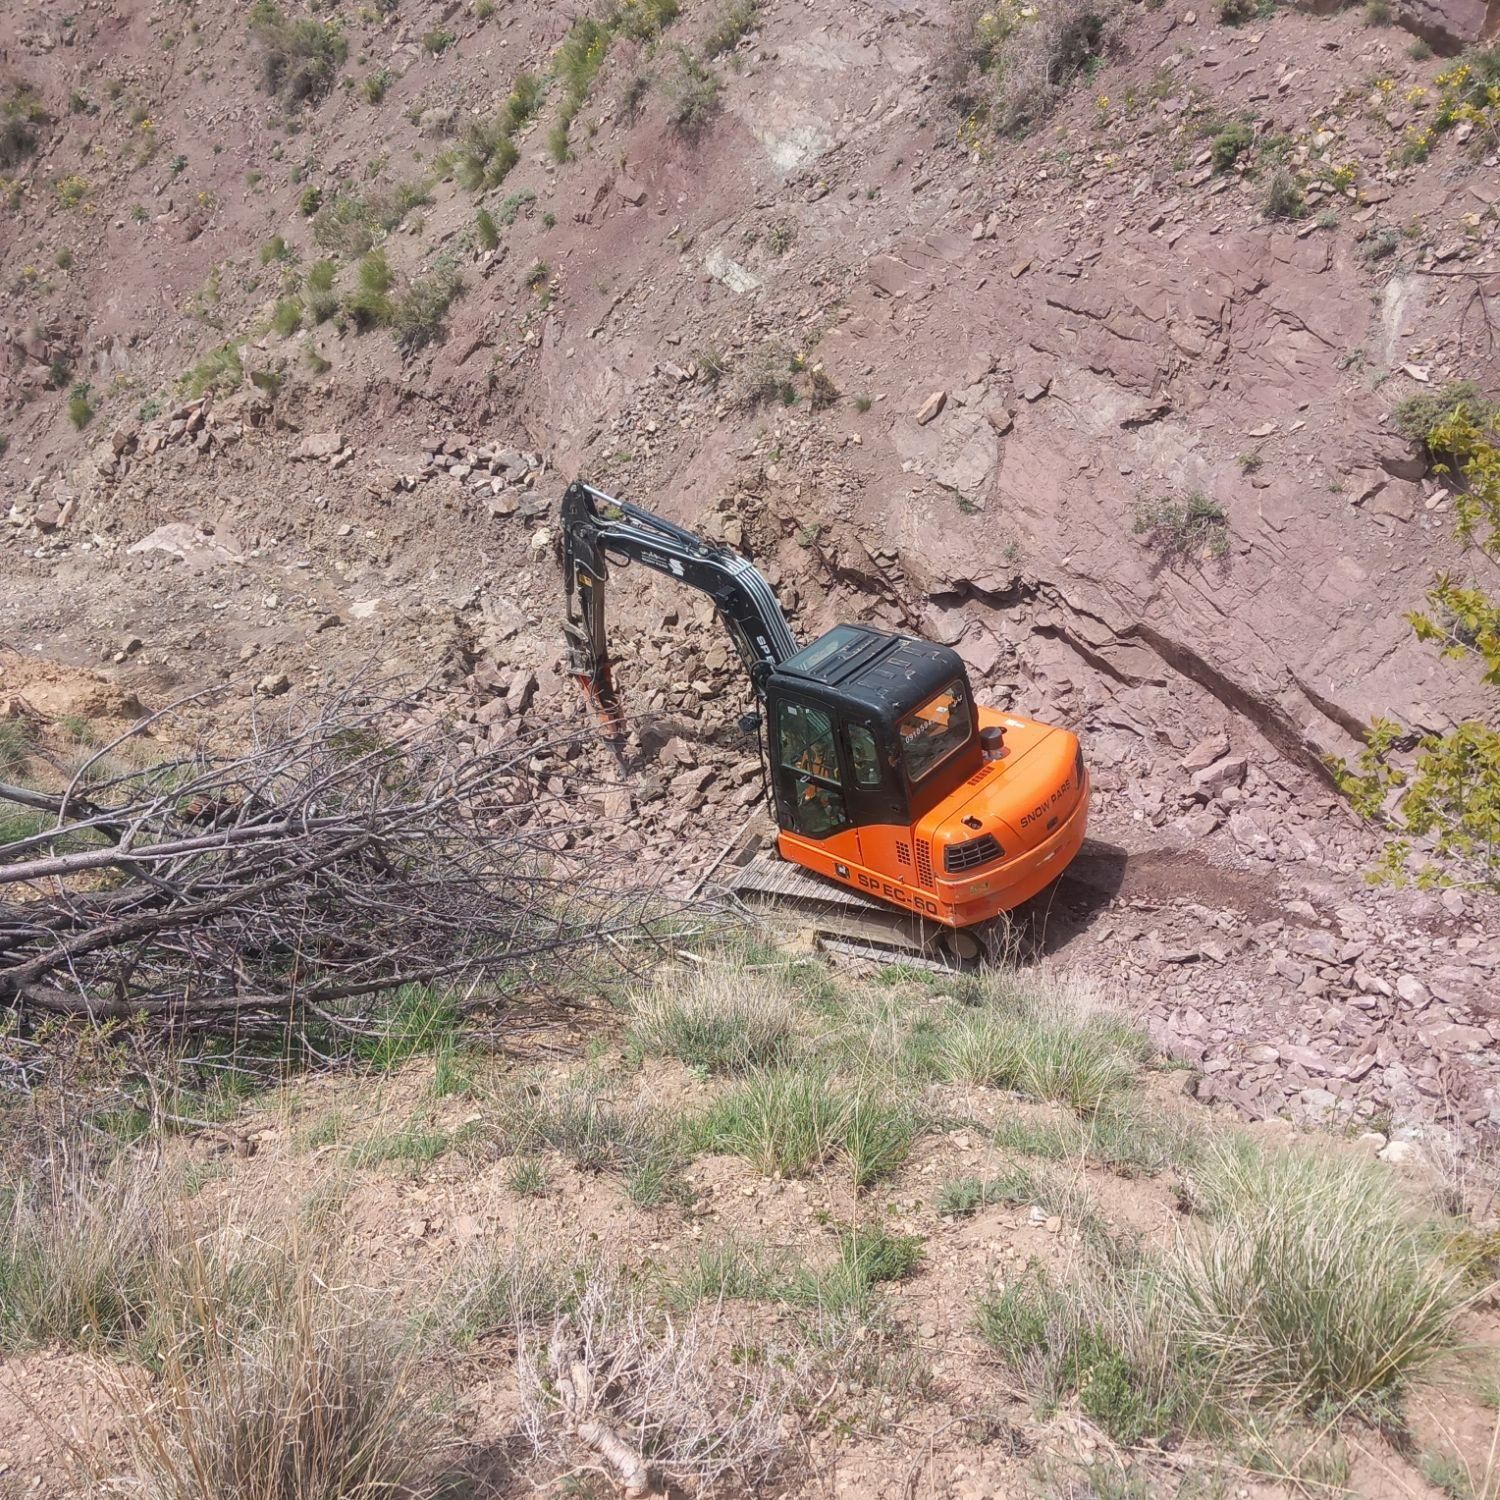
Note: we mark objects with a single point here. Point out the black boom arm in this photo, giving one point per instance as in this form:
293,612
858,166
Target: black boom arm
597,530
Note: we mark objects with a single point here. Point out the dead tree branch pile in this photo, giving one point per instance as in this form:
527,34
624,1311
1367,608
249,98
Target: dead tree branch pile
335,859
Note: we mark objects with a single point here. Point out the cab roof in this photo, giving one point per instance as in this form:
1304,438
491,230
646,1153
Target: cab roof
870,671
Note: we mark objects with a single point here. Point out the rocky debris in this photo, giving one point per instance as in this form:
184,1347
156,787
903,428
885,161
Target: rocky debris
504,477
327,447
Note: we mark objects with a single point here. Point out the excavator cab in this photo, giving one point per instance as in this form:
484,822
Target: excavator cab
885,774
861,723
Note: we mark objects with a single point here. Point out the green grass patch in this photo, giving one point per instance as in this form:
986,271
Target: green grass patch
527,1177
723,1271
413,1145
868,1254
370,305
1078,1058
417,1018
220,372
786,1121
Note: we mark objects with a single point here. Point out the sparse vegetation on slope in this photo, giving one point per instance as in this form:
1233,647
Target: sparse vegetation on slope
300,56
1449,789
1304,1290
1009,64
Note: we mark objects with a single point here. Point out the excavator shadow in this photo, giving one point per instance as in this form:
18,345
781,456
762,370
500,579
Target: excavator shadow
1059,916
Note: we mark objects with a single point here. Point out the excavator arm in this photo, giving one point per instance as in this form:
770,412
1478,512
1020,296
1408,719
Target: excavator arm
598,529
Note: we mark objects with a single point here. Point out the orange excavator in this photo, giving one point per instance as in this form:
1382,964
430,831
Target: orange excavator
891,788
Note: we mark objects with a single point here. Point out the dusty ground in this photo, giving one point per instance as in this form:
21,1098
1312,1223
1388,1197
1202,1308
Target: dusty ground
935,1415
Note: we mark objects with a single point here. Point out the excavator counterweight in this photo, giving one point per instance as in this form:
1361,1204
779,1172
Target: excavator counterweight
892,789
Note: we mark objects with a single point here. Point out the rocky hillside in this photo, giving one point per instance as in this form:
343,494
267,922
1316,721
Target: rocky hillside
311,315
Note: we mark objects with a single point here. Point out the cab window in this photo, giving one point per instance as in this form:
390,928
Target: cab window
930,734
808,769
864,756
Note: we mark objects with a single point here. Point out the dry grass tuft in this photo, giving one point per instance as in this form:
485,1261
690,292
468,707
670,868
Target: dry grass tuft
314,1397
1010,64
722,1018
1312,1279
109,1257
646,1393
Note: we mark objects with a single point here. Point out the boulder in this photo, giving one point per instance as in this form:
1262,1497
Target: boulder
324,445
1447,26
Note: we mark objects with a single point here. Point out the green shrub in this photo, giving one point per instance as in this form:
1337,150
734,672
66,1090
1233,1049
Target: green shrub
1011,65
376,85
417,319
1183,528
513,204
299,58
388,206
221,371
692,94
80,406
310,201
734,22
345,226
576,65
523,101
783,1122
578,1120
645,20
20,113
1229,143
370,305
485,230
275,248
1284,198
485,156
438,42
1420,415
71,190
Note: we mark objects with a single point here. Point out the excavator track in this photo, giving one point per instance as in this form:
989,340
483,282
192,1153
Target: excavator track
843,921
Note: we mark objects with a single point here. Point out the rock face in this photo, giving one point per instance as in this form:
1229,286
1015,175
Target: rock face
1449,26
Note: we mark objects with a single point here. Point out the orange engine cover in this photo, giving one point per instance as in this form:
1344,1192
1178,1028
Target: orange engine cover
999,839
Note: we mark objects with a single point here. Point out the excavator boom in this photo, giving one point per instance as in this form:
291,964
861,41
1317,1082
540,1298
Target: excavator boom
598,529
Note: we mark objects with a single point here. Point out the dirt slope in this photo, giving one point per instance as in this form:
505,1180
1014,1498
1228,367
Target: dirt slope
1110,321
